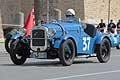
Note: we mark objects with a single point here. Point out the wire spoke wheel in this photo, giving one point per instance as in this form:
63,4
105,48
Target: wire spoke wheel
103,51
118,46
67,52
17,53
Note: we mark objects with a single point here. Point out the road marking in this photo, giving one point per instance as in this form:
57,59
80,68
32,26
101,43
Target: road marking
116,55
84,75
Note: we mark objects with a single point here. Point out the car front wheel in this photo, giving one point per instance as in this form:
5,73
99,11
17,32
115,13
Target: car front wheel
67,52
17,53
118,46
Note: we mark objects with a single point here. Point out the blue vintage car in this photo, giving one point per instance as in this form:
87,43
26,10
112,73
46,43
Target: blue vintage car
64,40
116,38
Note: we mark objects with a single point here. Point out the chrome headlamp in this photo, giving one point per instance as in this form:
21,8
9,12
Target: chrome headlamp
51,32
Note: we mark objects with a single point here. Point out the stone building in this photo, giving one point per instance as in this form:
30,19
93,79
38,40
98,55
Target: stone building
97,9
88,10
63,5
85,9
91,10
10,9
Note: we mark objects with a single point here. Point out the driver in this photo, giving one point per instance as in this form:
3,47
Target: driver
70,15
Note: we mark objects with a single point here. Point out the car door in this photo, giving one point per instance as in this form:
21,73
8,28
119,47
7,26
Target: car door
86,43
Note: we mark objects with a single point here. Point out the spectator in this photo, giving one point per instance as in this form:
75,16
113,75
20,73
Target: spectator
101,26
111,27
118,26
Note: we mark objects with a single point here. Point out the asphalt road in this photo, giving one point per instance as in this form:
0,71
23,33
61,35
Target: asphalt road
82,69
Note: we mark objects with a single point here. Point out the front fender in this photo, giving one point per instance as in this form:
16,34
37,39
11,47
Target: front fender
15,36
57,43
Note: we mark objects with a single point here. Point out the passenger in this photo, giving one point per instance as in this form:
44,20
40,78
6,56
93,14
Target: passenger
118,27
70,15
101,26
111,27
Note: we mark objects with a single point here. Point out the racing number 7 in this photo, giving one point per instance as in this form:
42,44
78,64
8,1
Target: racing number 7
86,43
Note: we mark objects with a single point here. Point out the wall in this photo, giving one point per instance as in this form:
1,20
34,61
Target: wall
85,9
63,5
10,8
98,9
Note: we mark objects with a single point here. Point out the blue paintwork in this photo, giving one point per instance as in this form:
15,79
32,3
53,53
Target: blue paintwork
113,38
74,30
14,34
116,38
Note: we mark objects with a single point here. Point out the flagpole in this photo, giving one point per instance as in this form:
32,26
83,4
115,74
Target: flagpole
109,11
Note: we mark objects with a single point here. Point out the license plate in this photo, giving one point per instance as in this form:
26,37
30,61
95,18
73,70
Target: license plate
39,55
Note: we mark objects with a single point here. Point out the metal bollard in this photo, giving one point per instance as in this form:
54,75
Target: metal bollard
20,19
58,13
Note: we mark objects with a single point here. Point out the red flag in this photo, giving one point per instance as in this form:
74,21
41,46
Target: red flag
30,22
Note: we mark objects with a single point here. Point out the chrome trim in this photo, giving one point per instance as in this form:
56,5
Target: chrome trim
42,48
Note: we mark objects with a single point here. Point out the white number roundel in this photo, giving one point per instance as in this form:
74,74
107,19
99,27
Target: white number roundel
86,43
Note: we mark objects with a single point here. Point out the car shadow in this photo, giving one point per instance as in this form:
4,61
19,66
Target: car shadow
52,63
85,62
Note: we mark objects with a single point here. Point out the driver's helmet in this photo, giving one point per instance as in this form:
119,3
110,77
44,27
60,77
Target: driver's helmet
70,12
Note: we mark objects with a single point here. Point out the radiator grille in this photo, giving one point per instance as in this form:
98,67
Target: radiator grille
38,38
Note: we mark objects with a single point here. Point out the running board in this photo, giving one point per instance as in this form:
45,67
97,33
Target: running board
87,56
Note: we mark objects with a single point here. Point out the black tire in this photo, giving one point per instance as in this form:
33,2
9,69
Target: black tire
103,51
7,44
67,52
118,46
17,53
